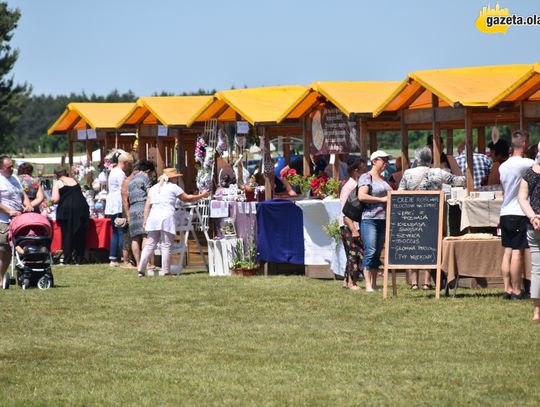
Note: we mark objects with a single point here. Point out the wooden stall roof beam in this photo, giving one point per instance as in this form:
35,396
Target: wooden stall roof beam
436,132
469,149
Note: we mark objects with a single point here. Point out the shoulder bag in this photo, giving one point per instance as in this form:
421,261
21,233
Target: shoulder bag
353,207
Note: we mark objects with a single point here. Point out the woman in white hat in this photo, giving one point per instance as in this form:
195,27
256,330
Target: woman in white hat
159,220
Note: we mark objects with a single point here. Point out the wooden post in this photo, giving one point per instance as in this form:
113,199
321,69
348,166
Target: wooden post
180,152
306,138
89,145
450,142
286,149
70,150
268,180
469,148
404,142
436,133
363,135
481,131
372,141
141,148
160,154
523,122
335,167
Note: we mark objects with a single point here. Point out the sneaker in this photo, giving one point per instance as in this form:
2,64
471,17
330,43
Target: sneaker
520,296
506,296
113,264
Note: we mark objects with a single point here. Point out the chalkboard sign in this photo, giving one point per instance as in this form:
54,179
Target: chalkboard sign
413,231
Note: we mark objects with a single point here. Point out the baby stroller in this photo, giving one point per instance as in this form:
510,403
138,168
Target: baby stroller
31,236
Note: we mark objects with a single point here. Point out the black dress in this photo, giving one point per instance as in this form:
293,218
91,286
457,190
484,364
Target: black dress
72,216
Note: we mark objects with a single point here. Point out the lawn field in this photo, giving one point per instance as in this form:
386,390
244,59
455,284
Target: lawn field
106,337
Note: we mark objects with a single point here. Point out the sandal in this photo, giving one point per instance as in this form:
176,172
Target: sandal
427,287
414,287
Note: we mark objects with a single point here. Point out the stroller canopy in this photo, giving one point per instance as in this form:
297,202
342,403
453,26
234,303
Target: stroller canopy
30,223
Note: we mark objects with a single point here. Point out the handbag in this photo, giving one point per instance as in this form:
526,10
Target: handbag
353,207
120,222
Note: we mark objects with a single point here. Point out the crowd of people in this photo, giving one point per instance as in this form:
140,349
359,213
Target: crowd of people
142,214
512,166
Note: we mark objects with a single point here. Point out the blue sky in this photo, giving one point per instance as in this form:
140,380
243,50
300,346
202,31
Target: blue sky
149,46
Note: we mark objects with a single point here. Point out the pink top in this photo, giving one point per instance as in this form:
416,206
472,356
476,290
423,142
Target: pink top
345,191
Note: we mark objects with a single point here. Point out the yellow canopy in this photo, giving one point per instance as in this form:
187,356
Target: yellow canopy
90,115
474,86
256,105
349,97
528,89
166,110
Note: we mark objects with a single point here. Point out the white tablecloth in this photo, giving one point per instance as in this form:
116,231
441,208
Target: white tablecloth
319,249
477,212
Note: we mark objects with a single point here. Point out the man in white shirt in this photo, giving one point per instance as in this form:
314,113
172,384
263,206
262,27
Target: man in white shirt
513,221
13,201
113,206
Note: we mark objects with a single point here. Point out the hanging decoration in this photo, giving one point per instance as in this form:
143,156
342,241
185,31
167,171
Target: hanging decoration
222,145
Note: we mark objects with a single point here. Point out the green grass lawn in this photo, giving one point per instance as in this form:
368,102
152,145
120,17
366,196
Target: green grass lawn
105,337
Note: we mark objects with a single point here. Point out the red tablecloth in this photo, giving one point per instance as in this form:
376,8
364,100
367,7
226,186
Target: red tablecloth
98,235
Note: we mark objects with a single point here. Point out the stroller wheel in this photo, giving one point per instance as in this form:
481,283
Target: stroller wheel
25,284
44,283
5,281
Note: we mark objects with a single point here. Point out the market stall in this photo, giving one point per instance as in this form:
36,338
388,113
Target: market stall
95,125
165,133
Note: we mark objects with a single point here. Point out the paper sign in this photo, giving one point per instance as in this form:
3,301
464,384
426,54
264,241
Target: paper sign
91,134
242,127
81,134
219,209
161,131
332,159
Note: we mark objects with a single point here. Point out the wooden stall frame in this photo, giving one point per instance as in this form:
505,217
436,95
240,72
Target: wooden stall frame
409,266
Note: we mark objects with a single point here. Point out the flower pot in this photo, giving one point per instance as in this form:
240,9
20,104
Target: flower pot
249,272
236,272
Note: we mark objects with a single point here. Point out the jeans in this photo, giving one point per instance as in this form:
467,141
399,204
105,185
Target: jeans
533,237
117,240
372,232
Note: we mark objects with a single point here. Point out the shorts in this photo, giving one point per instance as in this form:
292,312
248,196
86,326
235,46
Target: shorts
4,237
514,231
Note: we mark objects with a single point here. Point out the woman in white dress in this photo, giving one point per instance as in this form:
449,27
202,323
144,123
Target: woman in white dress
159,220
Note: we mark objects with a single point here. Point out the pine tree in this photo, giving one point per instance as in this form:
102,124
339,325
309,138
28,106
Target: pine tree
13,97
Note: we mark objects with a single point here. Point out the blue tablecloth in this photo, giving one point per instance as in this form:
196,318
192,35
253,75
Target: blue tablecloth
280,234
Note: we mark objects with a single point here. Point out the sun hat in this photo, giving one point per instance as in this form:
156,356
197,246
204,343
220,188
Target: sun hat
378,154
171,173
